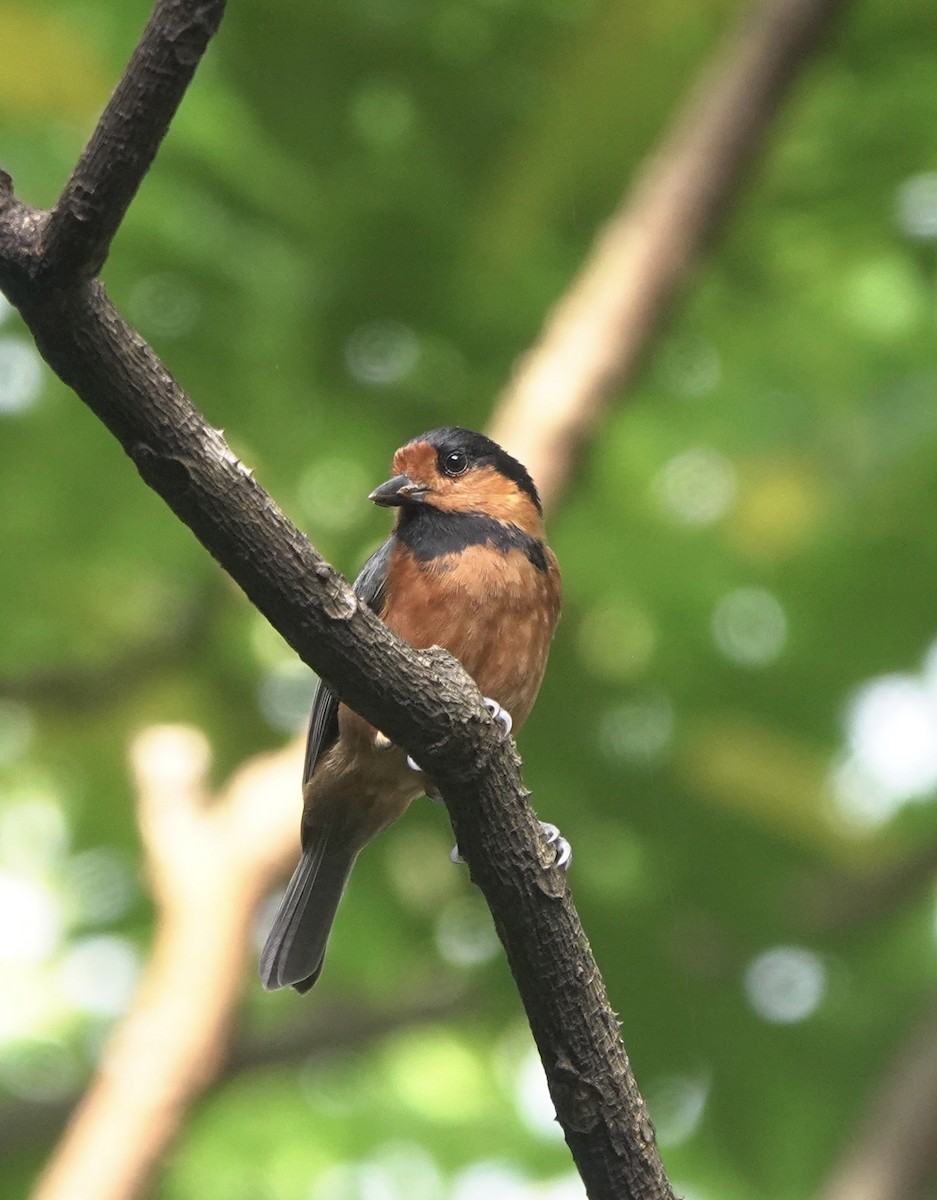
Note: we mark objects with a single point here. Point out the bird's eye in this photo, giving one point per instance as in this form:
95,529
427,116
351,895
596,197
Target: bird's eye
455,463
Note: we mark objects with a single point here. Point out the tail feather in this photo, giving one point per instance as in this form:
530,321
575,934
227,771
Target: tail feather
295,947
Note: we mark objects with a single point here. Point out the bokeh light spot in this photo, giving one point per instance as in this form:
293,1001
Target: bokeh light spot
786,984
532,1097
749,627
892,725
381,353
676,1104
885,298
892,755
34,832
285,695
100,885
638,732
165,305
97,975
465,935
31,920
916,206
695,488
20,375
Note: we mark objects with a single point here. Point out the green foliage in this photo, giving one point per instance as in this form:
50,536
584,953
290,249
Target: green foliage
357,223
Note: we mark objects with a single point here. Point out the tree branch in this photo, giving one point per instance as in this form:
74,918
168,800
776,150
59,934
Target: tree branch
593,341
422,699
117,157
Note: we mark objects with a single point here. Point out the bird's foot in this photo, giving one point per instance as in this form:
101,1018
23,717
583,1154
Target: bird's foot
562,850
381,741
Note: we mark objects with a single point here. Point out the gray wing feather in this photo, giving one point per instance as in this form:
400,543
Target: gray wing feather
323,720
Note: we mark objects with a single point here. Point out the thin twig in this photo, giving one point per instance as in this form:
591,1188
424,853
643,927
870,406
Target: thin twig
118,155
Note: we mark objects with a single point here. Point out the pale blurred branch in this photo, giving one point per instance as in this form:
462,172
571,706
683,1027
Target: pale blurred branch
210,860
891,1155
595,337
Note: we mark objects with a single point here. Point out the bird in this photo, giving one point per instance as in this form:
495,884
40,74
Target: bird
465,568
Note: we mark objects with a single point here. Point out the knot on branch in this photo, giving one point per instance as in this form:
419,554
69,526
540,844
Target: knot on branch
576,1096
339,602
160,471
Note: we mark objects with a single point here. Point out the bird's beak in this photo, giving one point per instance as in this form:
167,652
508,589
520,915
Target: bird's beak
397,491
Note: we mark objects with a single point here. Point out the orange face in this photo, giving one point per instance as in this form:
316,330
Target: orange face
478,489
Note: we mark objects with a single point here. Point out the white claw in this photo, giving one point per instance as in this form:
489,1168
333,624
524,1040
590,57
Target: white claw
499,714
414,766
456,857
382,741
562,850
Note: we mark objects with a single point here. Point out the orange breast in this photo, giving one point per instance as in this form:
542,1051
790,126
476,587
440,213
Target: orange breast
494,612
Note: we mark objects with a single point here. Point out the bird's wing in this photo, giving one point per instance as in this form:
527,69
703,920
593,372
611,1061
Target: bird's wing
323,720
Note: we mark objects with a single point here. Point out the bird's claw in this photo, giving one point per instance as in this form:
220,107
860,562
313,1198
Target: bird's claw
382,741
499,714
414,765
562,850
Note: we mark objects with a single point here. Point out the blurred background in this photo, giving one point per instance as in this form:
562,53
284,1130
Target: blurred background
360,217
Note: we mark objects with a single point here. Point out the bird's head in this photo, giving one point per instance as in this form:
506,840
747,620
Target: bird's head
455,470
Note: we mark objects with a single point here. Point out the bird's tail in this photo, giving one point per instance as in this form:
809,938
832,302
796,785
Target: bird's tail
295,947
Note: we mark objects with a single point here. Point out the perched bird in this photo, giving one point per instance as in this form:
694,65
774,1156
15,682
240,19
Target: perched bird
465,568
